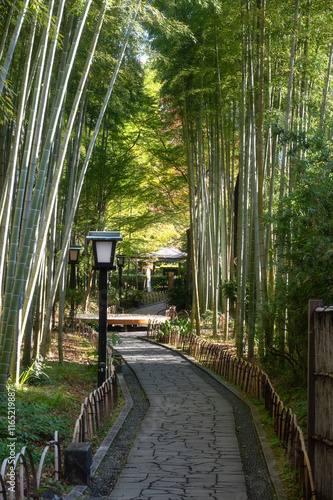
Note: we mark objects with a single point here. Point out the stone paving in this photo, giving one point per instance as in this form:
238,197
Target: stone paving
187,447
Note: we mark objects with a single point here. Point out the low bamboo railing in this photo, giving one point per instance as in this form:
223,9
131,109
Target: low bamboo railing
97,406
87,332
153,297
20,478
255,383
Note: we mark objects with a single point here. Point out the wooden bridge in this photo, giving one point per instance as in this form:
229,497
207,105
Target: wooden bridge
123,319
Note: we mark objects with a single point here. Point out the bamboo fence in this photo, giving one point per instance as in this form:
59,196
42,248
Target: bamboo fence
87,332
20,478
153,297
97,407
255,383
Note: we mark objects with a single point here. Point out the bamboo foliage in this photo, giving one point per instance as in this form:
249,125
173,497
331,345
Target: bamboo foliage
243,94
12,45
264,68
40,155
82,175
30,235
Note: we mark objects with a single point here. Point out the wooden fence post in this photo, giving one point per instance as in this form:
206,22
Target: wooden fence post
313,304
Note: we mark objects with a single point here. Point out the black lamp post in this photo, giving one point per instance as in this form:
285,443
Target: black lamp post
104,249
74,253
120,264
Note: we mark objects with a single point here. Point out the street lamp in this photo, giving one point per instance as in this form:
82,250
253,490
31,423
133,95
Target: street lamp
104,250
74,253
120,264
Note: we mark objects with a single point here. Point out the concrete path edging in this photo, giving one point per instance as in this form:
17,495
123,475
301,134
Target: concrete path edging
102,450
266,449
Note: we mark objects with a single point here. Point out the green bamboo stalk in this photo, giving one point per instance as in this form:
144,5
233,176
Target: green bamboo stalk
9,328
12,46
68,229
42,89
5,31
36,255
58,170
21,191
12,179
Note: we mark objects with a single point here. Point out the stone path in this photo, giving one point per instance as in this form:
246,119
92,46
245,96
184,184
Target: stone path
187,447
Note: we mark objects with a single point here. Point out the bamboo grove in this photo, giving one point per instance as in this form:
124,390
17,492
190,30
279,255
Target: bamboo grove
47,52
246,105
252,88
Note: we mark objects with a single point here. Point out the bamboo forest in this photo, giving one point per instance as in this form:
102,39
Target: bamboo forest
201,125
211,115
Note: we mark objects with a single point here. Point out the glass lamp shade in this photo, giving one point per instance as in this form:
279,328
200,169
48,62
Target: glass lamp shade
121,260
104,250
104,247
74,253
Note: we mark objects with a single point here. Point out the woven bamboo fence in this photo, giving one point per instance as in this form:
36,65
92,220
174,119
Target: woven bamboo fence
255,383
20,478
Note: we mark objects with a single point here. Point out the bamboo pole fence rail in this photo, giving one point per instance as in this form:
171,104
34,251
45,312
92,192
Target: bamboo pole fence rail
87,332
255,383
152,297
97,407
19,476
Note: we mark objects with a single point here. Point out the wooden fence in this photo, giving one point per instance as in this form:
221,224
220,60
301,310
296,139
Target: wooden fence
253,382
19,476
87,332
152,297
98,405
320,400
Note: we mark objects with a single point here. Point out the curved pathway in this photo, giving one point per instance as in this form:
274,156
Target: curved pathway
187,447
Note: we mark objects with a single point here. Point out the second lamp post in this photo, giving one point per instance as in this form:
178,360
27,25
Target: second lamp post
120,264
104,249
74,253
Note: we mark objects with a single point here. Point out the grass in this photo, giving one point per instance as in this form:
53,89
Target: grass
53,401
288,477
294,395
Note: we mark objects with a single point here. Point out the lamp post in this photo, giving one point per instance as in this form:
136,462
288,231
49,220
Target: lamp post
104,250
74,253
120,264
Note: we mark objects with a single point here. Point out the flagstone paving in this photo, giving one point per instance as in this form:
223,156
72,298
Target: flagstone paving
187,447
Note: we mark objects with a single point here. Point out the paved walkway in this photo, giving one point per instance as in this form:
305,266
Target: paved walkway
187,447
158,308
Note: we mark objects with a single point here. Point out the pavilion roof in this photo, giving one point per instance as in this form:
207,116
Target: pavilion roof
169,255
